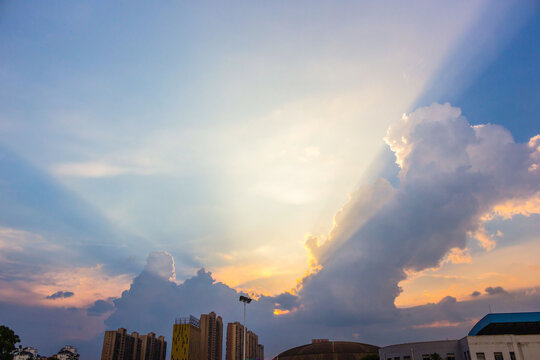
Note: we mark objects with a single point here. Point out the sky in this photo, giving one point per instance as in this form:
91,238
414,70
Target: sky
366,171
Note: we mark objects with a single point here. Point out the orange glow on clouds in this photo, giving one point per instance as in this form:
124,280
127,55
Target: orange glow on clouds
87,283
278,312
458,256
513,207
512,267
257,279
445,323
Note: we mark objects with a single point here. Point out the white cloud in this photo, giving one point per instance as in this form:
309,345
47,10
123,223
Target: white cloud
451,175
161,263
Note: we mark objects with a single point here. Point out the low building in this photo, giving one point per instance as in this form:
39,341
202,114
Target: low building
68,352
26,353
507,336
329,350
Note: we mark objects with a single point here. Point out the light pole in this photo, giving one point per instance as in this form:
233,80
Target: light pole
245,300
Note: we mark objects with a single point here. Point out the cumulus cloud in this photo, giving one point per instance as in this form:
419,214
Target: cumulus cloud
161,263
158,301
286,301
497,290
100,307
451,175
452,178
60,295
458,256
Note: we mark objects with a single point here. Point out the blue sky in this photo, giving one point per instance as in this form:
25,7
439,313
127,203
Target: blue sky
251,139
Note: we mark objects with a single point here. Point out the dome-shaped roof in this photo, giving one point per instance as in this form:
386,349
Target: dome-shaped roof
330,350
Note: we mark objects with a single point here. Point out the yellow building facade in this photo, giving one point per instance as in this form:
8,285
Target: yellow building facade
186,339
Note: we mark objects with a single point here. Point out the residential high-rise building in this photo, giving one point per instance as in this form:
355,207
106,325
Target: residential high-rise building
252,345
211,336
186,340
235,343
137,346
153,348
119,345
260,352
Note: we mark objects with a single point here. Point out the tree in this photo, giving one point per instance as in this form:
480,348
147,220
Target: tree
8,339
435,356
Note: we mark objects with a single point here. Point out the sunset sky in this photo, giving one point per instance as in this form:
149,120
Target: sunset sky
349,164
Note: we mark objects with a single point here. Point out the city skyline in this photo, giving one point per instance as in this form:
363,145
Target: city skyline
364,171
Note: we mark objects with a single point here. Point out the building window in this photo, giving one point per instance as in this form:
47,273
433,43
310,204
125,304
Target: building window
480,356
408,357
426,357
512,355
498,356
450,356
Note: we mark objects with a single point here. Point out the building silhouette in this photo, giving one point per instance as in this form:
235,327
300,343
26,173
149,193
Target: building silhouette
499,336
235,343
198,339
153,348
324,349
186,339
119,345
211,336
252,345
235,340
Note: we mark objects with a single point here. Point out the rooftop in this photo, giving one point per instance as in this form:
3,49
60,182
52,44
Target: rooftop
329,347
525,323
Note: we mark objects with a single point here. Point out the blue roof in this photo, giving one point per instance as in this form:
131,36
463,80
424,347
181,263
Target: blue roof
504,318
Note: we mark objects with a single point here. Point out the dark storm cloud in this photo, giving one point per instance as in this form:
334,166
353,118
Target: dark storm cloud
475,293
60,295
497,290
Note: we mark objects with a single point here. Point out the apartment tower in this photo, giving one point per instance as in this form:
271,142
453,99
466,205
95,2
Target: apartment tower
252,345
235,341
186,340
211,336
153,348
119,345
